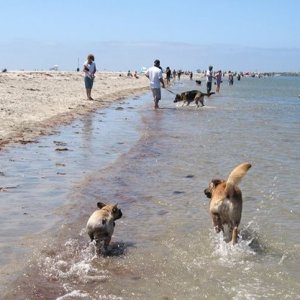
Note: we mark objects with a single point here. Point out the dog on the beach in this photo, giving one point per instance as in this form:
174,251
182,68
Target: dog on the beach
198,82
190,96
225,204
101,224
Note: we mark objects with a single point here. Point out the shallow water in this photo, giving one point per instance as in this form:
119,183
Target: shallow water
156,164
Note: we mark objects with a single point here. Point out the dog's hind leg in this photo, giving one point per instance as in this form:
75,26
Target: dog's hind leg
217,223
106,243
91,235
234,235
98,246
199,98
202,100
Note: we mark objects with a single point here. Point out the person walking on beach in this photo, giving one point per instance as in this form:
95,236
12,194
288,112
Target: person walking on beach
179,72
168,75
174,74
209,78
89,69
230,78
219,80
156,80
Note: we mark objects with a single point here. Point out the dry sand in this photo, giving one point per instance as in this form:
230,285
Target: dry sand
33,103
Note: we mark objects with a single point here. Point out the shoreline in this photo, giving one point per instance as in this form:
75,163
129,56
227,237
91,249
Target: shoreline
34,103
58,180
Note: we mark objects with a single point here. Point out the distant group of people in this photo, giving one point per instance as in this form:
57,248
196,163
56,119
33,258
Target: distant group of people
135,74
155,75
210,75
209,79
89,70
172,74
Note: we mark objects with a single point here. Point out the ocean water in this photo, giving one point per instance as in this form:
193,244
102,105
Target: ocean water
155,165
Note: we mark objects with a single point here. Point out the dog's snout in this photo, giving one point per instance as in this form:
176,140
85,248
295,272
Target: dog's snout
119,215
177,98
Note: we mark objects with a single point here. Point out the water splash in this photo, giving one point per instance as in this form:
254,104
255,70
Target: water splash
247,247
75,262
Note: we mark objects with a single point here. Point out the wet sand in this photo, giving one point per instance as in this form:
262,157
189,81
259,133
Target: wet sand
32,103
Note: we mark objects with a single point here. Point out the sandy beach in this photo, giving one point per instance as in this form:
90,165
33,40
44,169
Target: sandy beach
33,103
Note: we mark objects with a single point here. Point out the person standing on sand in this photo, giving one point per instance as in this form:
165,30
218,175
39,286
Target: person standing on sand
155,76
89,69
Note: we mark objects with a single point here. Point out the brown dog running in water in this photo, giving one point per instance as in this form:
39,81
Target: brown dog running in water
226,202
190,96
101,224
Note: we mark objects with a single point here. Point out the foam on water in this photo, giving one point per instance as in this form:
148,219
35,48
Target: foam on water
74,262
75,294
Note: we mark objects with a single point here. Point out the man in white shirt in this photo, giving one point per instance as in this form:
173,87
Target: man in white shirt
156,78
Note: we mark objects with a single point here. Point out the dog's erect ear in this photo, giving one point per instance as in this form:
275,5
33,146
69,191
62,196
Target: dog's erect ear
101,205
215,182
115,208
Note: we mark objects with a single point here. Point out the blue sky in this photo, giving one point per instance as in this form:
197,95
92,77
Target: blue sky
240,35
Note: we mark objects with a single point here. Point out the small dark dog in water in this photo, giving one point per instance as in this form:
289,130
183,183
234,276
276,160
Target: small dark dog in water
101,224
190,96
226,202
198,82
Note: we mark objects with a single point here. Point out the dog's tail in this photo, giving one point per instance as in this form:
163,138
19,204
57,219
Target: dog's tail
236,175
207,94
210,93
